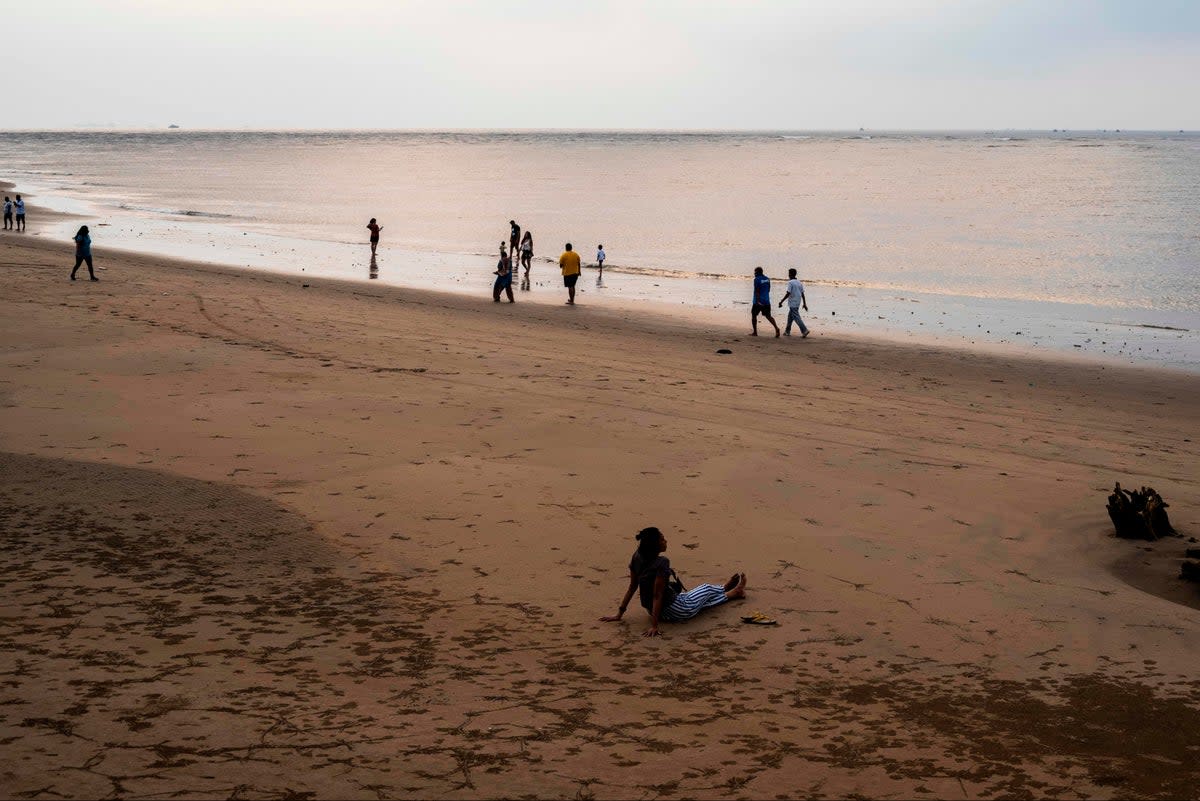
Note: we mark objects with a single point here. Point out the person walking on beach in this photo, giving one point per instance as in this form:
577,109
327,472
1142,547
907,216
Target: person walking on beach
569,263
375,229
83,252
503,277
795,298
8,221
762,302
20,209
514,237
600,263
526,258
667,601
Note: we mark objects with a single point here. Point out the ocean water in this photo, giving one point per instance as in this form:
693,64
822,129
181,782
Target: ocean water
1066,239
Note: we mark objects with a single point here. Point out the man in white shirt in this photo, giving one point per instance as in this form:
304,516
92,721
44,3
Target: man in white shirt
20,209
795,298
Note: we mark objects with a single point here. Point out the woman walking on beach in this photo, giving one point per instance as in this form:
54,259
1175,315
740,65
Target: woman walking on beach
503,277
375,229
83,252
526,257
648,574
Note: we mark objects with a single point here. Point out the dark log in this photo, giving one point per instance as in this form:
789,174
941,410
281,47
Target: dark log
1139,514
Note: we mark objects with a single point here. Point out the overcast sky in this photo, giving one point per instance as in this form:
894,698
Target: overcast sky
798,64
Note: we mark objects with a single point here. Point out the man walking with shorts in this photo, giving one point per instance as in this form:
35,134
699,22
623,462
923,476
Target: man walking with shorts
20,208
795,298
514,237
569,262
7,212
762,302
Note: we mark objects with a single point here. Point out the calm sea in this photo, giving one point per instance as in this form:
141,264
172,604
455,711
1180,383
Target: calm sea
1106,222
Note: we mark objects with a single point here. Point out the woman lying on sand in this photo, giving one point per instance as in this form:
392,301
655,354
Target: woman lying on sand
648,572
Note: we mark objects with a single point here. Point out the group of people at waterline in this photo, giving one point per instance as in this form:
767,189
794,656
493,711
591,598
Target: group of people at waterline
571,266
569,263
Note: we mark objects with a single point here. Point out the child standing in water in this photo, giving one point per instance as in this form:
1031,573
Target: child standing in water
600,264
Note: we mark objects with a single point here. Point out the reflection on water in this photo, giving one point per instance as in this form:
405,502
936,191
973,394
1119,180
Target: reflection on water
1098,218
373,271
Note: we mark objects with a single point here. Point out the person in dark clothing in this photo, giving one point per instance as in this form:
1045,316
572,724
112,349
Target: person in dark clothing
762,302
504,271
83,252
374,228
514,238
648,575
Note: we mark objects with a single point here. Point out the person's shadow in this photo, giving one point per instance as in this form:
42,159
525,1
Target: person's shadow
374,269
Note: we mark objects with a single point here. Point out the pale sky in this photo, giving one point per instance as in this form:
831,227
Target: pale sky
765,64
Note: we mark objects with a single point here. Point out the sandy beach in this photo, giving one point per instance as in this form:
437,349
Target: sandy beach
268,538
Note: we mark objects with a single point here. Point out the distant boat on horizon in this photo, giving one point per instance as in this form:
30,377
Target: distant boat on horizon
172,125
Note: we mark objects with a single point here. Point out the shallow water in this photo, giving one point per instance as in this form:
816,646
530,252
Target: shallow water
1071,239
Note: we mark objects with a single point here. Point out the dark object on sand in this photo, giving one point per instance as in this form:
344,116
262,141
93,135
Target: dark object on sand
724,350
1139,515
1192,553
1190,571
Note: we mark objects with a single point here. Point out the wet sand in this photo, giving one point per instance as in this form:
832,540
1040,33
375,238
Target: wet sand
352,541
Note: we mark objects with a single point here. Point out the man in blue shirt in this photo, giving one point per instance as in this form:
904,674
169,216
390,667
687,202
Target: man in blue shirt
762,302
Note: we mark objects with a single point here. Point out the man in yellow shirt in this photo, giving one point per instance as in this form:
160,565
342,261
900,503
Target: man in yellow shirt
569,262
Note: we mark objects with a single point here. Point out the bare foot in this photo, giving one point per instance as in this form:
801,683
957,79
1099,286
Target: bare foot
738,591
733,582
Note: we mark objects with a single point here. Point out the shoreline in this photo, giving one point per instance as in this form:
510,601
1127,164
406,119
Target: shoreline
356,537
1103,335
663,316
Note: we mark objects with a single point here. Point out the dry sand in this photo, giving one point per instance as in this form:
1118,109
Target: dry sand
267,541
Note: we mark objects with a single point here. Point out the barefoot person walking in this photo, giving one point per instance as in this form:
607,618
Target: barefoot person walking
648,574
795,297
762,302
83,252
374,229
20,209
514,237
600,257
8,207
569,262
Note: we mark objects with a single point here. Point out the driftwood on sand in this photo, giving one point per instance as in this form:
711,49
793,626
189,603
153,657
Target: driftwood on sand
1139,515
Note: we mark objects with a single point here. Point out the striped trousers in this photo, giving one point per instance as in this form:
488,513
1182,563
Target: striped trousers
690,603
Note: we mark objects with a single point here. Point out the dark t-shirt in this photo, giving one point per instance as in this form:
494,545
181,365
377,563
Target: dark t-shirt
646,574
762,290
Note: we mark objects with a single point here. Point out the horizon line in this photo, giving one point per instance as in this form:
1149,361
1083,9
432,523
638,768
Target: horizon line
482,129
